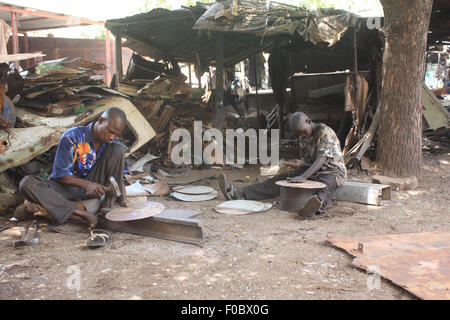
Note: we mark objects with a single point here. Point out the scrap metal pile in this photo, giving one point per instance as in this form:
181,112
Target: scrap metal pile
160,92
61,87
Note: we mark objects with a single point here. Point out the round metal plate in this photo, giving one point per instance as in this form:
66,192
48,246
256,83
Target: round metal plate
194,198
304,185
136,211
242,207
194,189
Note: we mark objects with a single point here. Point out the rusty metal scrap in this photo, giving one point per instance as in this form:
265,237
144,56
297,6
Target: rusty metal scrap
417,262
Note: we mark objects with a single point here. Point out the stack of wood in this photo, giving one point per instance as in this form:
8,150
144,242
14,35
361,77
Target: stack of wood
163,87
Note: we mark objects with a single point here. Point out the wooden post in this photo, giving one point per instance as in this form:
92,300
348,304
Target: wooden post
219,114
255,73
119,72
190,74
108,73
355,69
26,48
15,37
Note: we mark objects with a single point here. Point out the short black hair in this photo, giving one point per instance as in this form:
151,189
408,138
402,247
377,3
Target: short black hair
115,112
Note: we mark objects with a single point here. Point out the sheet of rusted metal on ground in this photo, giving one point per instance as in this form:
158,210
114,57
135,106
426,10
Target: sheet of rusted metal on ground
418,262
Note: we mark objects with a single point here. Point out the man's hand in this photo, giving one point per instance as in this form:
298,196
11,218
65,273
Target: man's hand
93,189
298,179
295,163
124,202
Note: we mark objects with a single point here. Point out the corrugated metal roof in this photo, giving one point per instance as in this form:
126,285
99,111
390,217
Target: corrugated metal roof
187,34
162,33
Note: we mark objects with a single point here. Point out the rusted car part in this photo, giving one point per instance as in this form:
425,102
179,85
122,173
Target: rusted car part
417,262
26,143
171,224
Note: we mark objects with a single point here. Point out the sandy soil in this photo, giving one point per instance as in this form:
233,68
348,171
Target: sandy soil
269,255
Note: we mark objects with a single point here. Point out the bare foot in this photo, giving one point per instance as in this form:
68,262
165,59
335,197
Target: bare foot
107,203
91,219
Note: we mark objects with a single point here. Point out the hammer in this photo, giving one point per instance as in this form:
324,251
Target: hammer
112,190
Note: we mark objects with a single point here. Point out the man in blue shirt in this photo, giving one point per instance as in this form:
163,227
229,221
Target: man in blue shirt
85,159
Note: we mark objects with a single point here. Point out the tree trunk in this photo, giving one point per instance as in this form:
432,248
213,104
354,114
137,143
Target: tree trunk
399,151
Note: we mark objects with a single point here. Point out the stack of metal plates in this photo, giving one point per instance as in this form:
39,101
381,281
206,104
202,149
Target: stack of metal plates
194,193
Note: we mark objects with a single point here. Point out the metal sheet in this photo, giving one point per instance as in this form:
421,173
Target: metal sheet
363,192
194,198
242,207
171,224
418,262
136,211
304,185
194,189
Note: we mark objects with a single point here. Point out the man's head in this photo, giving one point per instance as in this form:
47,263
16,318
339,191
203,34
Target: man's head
301,125
111,124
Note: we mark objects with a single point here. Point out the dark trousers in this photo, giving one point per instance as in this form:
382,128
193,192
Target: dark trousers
268,189
57,198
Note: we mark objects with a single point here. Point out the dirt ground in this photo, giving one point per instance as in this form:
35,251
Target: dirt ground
269,255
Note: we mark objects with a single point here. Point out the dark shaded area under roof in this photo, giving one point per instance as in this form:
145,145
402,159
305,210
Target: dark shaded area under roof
440,22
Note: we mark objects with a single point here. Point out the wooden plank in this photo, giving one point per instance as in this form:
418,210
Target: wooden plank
363,192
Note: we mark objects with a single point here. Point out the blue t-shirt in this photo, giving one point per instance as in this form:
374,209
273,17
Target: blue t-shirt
76,154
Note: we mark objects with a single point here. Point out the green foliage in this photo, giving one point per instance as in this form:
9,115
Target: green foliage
94,32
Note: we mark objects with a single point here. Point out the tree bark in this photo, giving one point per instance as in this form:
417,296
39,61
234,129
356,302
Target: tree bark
399,151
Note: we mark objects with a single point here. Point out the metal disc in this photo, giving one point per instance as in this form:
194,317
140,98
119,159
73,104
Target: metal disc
194,198
194,189
304,185
136,211
242,207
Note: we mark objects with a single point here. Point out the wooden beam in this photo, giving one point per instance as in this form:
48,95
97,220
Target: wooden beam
49,15
118,52
15,37
109,71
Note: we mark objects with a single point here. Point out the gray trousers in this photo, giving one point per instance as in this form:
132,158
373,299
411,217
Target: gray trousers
268,189
57,198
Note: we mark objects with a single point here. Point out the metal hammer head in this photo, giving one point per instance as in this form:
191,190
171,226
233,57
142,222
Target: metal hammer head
113,189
